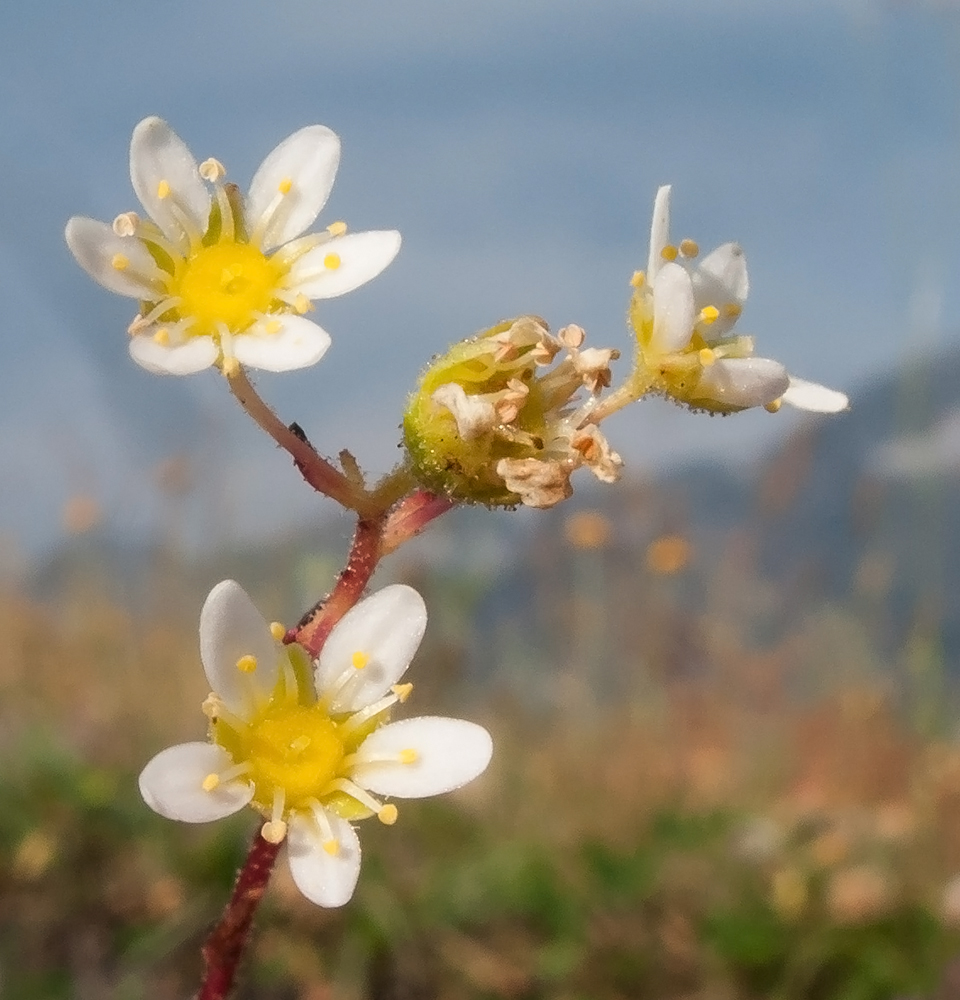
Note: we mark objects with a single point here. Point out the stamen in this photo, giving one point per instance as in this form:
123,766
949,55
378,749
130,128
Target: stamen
277,631
638,279
212,170
285,186
355,792
669,252
302,304
409,756
773,406
126,224
247,664
230,367
707,357
359,660
163,189
120,262
213,781
163,306
402,691
366,714
337,228
332,261
709,314
388,814
274,830
329,843
689,248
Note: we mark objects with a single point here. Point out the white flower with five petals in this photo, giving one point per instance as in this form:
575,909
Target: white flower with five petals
309,745
684,311
222,279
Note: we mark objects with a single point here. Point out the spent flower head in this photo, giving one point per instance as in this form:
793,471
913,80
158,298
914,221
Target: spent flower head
684,311
221,279
309,745
496,421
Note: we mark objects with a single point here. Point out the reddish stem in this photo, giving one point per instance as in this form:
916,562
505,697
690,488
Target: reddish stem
224,947
410,517
318,623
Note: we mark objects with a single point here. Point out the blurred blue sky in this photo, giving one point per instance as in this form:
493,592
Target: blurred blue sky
517,144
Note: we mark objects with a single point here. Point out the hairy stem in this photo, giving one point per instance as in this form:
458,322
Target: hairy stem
225,946
410,517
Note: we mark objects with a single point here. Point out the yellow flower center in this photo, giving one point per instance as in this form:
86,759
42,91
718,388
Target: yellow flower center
228,283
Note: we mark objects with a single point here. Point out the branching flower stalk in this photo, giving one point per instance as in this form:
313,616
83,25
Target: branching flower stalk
299,720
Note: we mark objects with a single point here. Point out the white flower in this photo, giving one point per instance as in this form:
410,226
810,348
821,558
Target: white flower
223,280
309,745
683,312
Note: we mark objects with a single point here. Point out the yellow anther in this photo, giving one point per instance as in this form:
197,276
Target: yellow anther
402,691
332,847
388,814
212,170
732,310
120,262
210,782
669,252
230,367
302,304
709,314
638,280
332,261
163,189
359,659
409,756
337,228
300,744
273,831
689,248
273,326
285,186
162,336
707,357
774,406
247,664
277,631
210,706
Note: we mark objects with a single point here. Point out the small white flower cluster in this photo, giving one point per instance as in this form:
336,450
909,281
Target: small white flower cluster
309,745
221,279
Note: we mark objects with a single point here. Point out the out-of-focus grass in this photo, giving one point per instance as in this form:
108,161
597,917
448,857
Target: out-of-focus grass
694,843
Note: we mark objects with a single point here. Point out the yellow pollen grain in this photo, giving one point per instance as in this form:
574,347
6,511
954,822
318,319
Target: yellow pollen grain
402,691
638,280
732,310
332,847
120,262
689,248
332,261
774,406
162,336
337,228
302,304
163,189
247,664
285,186
707,357
210,782
277,631
709,314
669,252
388,814
273,326
359,660
409,756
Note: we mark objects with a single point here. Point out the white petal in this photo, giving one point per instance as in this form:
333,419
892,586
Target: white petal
719,280
172,784
740,383
816,398
309,159
95,245
325,879
450,752
361,257
673,309
298,344
182,359
232,628
659,232
158,155
387,627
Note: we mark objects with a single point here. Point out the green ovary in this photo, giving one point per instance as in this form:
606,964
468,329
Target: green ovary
227,283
